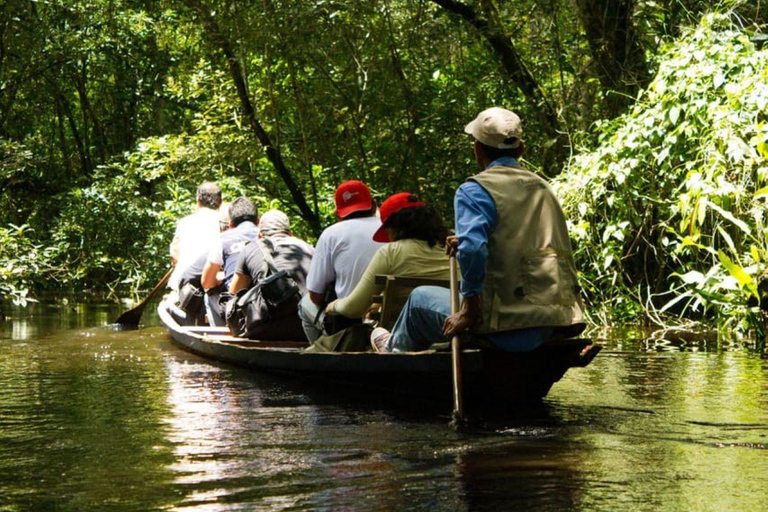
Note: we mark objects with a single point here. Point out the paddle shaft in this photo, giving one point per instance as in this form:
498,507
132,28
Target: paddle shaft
458,400
133,315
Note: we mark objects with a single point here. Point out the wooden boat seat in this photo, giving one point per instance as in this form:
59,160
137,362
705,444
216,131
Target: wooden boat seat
395,293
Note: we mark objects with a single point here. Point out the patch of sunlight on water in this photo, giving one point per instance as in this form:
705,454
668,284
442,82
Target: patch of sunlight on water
92,420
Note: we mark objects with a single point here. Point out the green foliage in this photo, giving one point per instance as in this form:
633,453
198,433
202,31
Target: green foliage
117,230
21,263
112,112
668,212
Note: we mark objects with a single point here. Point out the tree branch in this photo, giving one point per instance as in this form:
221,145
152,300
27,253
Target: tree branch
217,38
489,26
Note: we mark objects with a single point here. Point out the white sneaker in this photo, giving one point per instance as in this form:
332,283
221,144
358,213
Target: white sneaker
379,338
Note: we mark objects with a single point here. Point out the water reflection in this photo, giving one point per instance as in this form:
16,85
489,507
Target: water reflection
92,419
227,442
261,440
535,472
79,425
41,319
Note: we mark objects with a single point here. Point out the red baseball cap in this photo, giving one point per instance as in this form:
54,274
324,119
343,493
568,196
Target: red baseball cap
352,196
394,204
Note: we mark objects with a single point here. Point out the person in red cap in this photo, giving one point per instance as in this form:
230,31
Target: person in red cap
415,237
342,253
519,284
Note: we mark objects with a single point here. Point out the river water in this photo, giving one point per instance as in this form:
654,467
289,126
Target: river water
93,419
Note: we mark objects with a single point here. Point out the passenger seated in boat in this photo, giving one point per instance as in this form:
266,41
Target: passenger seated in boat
191,296
519,283
196,232
342,254
416,236
220,262
288,253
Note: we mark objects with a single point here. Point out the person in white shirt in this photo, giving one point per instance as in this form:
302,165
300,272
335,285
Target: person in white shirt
342,253
195,233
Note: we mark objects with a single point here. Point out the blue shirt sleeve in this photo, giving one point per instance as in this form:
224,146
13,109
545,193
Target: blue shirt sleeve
475,219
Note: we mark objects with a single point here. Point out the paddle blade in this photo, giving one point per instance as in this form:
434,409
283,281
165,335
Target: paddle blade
132,316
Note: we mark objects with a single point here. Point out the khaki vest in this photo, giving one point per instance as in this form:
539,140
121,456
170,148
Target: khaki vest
530,274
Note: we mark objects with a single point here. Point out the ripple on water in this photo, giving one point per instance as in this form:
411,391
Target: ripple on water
97,420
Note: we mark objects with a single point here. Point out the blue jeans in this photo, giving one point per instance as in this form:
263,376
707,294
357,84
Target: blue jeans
307,313
421,321
420,324
212,308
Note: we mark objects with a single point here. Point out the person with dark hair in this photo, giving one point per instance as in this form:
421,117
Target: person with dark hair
223,256
286,252
416,236
342,253
196,232
519,283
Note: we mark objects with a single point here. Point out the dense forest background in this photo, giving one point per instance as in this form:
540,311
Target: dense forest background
649,117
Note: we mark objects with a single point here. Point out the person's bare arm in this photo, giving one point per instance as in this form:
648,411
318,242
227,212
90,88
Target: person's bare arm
209,279
317,298
239,282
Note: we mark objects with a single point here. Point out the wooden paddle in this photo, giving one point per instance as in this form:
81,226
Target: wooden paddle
458,400
133,316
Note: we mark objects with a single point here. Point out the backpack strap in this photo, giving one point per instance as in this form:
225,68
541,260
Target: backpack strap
269,263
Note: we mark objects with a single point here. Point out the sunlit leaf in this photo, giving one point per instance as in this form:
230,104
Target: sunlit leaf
727,238
692,277
729,216
674,114
735,270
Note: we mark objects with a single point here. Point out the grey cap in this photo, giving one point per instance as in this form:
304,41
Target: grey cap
497,127
273,222
224,218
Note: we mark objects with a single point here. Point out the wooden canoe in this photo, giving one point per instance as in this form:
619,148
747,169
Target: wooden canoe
489,376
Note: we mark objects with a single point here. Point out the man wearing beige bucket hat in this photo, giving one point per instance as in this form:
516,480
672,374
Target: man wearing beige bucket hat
519,286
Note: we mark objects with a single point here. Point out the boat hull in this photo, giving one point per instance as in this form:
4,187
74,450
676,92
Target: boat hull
491,377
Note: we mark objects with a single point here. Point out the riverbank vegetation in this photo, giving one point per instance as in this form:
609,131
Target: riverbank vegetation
649,116
668,211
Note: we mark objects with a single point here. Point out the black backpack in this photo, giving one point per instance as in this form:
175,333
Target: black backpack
269,309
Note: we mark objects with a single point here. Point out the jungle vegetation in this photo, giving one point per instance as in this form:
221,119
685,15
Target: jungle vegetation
649,117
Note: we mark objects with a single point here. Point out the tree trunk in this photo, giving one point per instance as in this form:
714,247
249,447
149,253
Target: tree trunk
80,80
64,148
411,105
216,37
66,109
616,50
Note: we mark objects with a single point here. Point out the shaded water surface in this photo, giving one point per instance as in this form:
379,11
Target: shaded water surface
93,419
